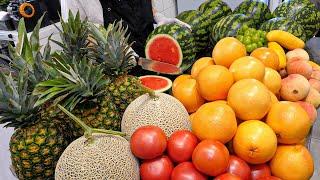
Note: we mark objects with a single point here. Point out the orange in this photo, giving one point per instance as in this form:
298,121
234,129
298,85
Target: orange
221,101
180,79
199,65
187,93
250,99
228,50
289,121
191,117
292,162
274,98
268,56
214,82
272,80
255,142
247,68
215,121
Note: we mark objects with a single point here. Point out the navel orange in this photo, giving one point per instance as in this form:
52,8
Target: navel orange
187,93
214,82
268,56
247,68
227,50
272,80
216,121
199,65
255,142
250,99
292,162
289,121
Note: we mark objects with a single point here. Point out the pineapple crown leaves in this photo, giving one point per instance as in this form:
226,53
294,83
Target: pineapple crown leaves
76,82
27,54
74,35
16,101
112,49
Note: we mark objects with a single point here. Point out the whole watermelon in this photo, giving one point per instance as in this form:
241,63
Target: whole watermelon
216,9
285,24
200,27
303,12
255,9
179,34
229,26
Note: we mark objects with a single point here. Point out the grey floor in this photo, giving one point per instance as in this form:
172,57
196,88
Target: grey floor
314,146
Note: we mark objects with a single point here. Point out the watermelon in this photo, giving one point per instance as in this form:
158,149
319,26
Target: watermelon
284,24
156,83
303,12
216,9
173,44
200,27
255,9
229,26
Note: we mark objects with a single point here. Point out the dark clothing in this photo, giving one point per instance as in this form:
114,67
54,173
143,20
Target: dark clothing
136,14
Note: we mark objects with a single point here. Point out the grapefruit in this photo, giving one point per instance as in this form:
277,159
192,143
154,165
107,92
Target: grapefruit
200,64
255,142
227,50
215,120
214,82
247,68
272,80
268,56
180,79
289,121
250,99
187,93
293,162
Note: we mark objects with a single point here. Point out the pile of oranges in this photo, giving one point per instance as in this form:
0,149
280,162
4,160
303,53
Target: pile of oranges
234,98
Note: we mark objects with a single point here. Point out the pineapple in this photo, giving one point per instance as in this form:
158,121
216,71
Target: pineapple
38,141
81,88
36,144
112,50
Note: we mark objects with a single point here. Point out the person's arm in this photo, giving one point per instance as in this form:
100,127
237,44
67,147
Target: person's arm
160,19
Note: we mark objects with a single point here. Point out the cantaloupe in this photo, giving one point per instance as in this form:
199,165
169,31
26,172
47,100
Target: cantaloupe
100,154
162,110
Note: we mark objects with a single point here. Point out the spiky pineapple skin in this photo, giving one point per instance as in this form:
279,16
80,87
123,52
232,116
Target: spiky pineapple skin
36,149
124,90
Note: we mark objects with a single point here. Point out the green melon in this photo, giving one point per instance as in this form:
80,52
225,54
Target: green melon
173,44
255,9
156,83
228,26
284,24
303,12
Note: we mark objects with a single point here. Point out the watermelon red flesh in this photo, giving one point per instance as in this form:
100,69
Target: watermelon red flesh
165,49
154,83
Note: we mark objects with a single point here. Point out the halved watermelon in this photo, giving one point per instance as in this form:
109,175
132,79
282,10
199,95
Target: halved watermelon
156,83
173,44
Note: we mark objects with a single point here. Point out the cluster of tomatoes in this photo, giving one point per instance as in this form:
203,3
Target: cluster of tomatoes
183,157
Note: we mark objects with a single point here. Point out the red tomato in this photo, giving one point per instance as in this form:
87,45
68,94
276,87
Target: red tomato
187,171
260,171
148,142
270,178
239,167
211,157
156,169
227,176
181,145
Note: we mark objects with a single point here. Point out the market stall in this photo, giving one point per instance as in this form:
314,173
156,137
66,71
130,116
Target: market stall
221,93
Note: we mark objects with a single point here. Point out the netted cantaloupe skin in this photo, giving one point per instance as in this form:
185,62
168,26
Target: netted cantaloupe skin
108,157
163,111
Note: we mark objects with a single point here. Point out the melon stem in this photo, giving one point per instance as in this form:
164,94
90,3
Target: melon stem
88,130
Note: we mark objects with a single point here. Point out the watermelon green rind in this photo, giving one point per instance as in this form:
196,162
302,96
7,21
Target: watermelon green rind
228,26
183,37
254,9
163,89
303,12
284,24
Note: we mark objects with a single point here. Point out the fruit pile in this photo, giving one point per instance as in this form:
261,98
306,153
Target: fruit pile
261,106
